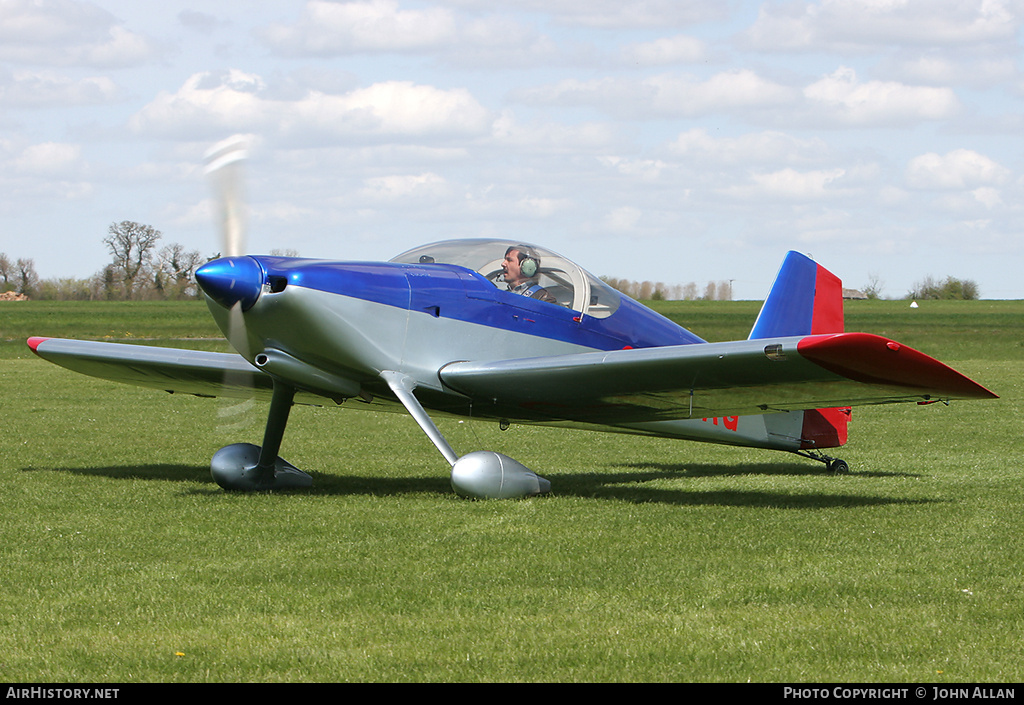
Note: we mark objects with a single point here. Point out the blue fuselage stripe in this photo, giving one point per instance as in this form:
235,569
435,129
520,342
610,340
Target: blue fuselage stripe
449,291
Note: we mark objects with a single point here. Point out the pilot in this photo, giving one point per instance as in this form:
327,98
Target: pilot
521,267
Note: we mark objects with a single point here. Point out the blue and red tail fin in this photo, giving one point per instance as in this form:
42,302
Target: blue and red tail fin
806,299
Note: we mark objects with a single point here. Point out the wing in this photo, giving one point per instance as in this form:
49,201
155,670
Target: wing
187,371
714,379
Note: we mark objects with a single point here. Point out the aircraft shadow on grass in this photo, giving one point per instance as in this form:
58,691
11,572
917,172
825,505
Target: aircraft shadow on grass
632,486
722,470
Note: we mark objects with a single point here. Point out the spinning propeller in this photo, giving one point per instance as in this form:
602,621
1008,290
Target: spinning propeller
224,167
233,284
221,279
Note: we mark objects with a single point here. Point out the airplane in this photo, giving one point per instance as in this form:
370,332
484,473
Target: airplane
436,331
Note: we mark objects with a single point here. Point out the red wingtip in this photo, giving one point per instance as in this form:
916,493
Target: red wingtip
877,360
35,341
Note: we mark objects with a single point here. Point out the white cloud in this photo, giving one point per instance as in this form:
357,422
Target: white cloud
68,33
48,159
618,14
200,21
666,95
40,174
549,138
481,39
537,207
623,218
400,188
120,48
798,185
987,196
956,170
209,104
666,50
44,89
846,25
696,145
204,106
742,88
374,25
950,68
643,169
840,96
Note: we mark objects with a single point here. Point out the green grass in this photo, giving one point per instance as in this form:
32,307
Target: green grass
652,560
169,323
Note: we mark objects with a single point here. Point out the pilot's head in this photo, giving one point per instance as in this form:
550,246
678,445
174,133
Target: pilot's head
521,263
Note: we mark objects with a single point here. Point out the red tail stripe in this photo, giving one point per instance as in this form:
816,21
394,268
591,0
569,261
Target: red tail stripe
828,304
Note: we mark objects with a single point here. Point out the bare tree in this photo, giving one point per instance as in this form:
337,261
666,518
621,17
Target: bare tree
131,245
725,290
6,272
26,277
174,271
874,288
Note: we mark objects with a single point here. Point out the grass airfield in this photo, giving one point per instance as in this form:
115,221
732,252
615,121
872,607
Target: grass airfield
652,560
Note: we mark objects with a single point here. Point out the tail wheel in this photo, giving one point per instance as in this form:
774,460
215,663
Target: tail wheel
837,466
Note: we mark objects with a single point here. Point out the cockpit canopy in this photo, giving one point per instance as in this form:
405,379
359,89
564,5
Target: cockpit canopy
571,285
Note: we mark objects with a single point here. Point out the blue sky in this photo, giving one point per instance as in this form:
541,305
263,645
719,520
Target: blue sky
660,140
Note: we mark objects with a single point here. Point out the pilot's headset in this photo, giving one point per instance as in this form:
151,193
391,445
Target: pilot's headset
529,261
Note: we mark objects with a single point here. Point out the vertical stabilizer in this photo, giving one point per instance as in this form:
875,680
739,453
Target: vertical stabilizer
806,299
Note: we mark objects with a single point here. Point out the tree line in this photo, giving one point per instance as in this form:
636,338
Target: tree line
949,288
659,291
138,270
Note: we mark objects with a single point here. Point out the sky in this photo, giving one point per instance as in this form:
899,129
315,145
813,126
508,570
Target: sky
645,139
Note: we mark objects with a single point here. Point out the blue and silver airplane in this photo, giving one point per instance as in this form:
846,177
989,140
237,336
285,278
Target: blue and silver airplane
513,333
436,330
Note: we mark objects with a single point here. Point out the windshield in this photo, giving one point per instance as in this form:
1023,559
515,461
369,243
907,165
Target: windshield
568,283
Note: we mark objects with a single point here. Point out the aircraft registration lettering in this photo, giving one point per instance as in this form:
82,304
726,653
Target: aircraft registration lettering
730,422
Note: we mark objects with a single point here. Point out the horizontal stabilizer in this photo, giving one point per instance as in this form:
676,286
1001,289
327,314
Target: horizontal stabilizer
873,360
714,379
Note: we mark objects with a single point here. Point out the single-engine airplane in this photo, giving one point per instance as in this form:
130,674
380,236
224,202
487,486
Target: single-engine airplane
431,331
437,330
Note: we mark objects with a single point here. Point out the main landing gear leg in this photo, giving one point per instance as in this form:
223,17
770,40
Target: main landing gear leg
246,467
482,474
836,466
